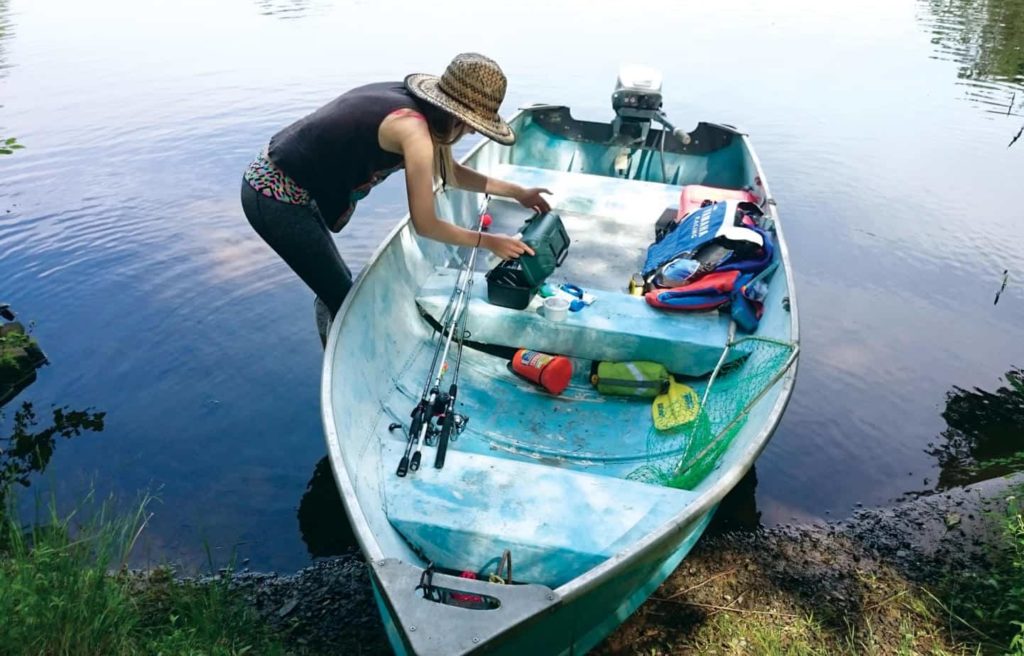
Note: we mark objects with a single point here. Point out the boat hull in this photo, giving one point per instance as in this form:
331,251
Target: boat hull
570,627
376,346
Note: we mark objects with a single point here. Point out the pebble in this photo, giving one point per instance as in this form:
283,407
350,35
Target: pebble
287,608
329,606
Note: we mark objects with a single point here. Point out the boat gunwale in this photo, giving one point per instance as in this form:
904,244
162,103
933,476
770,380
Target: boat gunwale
703,503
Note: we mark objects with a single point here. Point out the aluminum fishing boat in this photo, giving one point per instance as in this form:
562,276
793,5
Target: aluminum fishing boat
553,517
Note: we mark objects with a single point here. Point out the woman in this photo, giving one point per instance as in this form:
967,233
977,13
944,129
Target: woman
309,178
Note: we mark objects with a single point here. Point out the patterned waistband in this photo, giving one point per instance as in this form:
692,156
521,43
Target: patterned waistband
265,177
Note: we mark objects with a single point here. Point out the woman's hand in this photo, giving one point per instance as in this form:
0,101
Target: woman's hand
506,247
531,198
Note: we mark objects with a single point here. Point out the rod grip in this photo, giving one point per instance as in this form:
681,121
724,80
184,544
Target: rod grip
442,446
446,427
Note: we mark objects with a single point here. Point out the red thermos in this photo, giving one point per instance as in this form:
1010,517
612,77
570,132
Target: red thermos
552,372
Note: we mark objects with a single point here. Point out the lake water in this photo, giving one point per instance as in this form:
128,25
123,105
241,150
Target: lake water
882,125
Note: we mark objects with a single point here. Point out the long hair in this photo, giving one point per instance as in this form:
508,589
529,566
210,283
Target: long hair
445,130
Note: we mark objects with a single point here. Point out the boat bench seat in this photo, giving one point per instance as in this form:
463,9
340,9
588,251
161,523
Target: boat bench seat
557,522
616,327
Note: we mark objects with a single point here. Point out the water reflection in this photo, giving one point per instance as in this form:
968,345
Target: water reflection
286,9
985,433
322,519
738,510
986,39
5,28
25,447
28,448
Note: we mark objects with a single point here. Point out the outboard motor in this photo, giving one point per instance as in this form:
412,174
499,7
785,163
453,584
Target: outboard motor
637,101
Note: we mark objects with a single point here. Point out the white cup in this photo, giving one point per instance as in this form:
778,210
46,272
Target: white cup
556,308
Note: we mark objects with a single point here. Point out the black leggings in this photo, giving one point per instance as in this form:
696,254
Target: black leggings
299,235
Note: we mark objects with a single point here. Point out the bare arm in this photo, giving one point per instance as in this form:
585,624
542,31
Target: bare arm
471,180
418,151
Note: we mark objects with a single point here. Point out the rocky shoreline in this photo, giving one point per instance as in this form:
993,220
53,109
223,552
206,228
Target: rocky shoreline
830,570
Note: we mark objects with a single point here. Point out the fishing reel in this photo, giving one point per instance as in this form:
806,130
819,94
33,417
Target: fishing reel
459,422
439,417
452,423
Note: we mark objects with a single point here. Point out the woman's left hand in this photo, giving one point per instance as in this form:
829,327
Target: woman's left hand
531,198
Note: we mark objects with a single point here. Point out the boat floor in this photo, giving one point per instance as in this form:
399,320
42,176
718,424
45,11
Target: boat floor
579,429
547,477
542,476
610,221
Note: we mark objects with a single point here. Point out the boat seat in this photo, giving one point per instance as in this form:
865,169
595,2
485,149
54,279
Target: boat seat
556,522
617,327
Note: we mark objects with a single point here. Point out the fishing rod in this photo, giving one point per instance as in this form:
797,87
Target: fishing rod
433,403
454,423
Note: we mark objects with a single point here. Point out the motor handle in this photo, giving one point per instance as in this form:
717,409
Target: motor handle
679,133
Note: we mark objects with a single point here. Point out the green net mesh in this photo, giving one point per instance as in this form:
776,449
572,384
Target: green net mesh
683,456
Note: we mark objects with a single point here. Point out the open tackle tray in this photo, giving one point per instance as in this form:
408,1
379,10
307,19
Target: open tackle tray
513,283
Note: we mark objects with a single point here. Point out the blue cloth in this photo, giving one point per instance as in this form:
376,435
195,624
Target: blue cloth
710,223
695,230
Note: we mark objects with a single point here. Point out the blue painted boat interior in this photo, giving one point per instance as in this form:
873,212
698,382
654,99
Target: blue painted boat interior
557,480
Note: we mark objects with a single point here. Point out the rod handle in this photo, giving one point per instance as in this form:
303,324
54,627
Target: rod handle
446,427
403,466
414,464
442,450
442,443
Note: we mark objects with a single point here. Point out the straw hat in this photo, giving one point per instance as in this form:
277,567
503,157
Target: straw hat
471,88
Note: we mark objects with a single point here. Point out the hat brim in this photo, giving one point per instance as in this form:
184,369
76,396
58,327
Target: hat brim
492,126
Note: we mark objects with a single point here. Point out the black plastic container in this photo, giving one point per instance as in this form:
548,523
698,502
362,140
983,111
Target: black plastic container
513,283
507,286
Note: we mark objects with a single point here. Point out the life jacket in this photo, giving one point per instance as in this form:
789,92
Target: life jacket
728,223
740,284
694,197
706,293
757,260
713,257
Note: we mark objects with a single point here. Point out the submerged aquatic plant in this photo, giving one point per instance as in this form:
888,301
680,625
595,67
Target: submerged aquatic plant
9,145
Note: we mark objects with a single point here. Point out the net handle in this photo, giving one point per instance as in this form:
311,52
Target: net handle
684,467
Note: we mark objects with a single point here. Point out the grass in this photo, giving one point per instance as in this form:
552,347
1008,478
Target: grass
893,617
824,594
898,619
1015,528
14,353
65,590
990,605
1007,582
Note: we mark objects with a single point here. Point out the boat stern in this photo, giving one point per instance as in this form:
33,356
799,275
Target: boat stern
430,613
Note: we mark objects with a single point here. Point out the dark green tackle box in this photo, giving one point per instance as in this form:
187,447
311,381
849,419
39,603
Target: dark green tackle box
513,283
546,235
